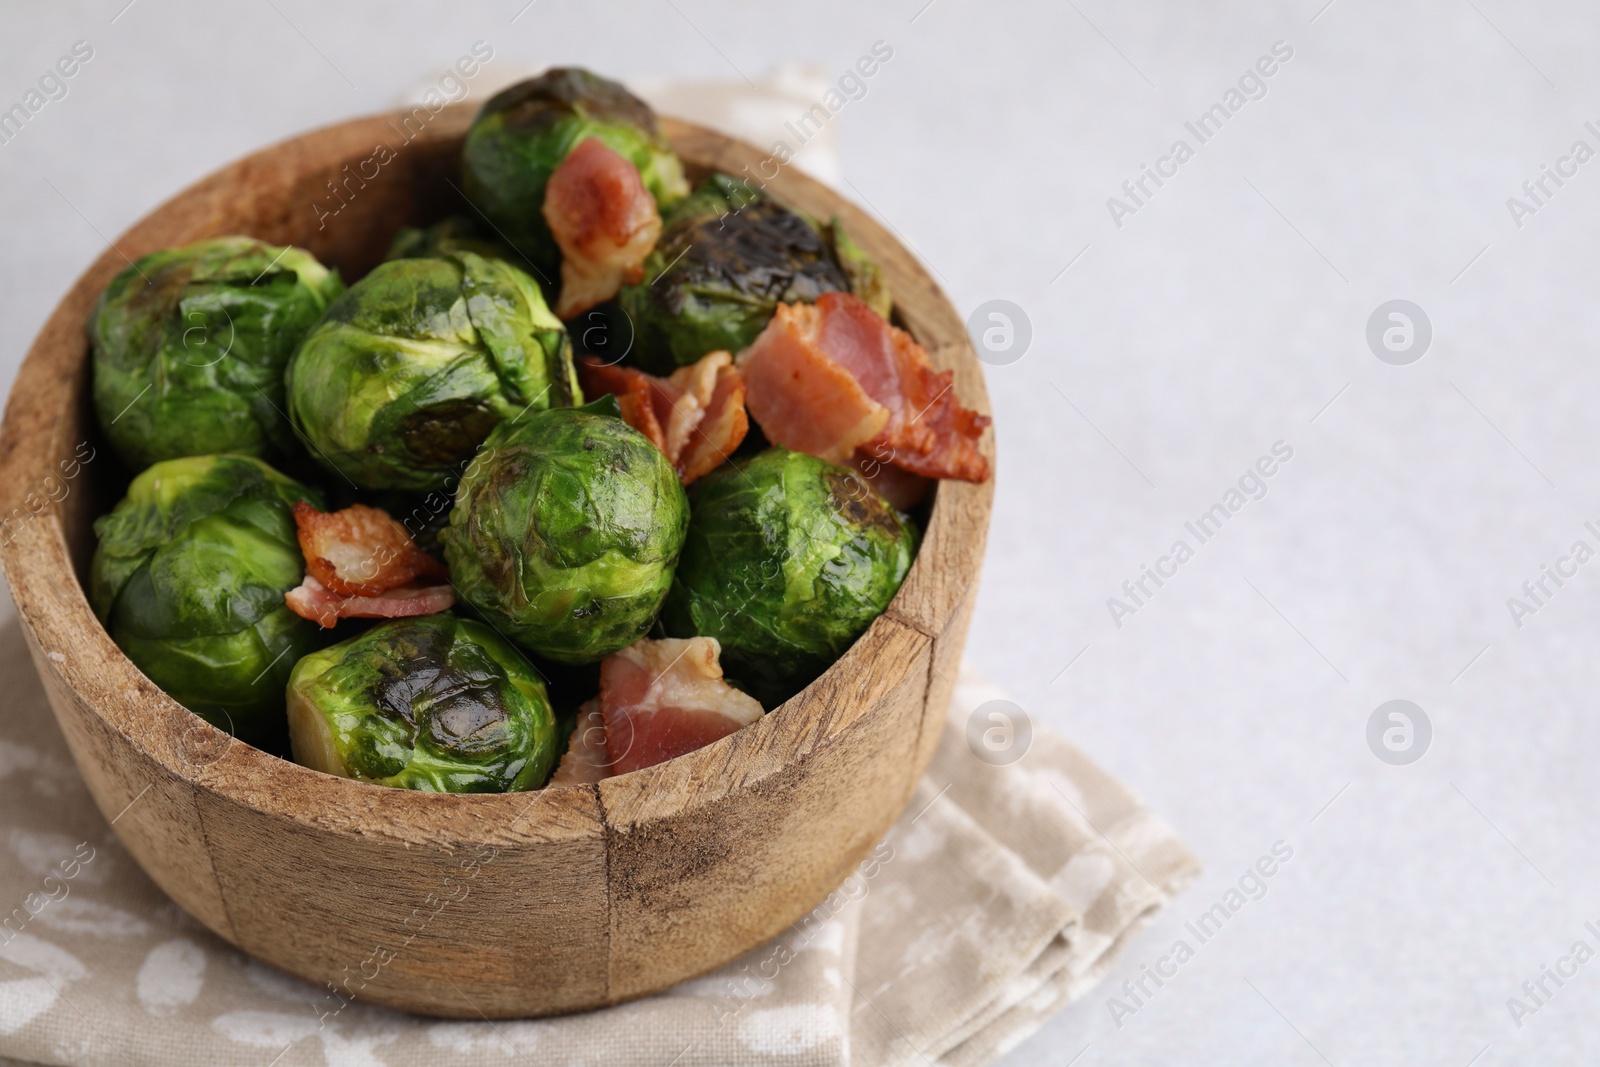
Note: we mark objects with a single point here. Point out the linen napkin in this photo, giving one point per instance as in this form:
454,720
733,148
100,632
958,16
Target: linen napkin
1002,893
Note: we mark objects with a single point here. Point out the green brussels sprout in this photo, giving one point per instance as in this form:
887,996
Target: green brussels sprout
189,579
728,255
867,279
789,558
565,532
407,373
435,702
526,131
454,234
190,345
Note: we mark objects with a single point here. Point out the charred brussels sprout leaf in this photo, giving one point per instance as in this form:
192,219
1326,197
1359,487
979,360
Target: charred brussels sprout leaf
565,532
525,132
435,703
727,257
408,372
189,579
788,561
867,279
190,345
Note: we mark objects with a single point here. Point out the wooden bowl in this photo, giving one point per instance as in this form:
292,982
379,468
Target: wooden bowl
467,906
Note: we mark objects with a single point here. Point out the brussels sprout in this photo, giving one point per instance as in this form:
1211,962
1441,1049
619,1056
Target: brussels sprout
435,703
867,279
454,234
190,346
524,133
727,256
407,373
189,579
788,560
565,531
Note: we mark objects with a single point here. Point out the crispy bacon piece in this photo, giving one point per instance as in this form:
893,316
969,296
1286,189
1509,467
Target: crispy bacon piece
634,390
835,377
586,760
800,397
721,428
604,221
687,392
361,563
696,416
315,601
360,551
661,699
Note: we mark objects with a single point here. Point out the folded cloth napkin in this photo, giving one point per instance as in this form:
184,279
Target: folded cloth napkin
1003,893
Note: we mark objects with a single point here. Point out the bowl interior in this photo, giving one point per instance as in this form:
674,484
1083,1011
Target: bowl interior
342,193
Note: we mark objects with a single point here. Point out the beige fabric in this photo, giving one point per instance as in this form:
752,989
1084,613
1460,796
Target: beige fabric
1003,893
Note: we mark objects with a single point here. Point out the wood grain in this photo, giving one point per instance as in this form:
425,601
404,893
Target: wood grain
472,906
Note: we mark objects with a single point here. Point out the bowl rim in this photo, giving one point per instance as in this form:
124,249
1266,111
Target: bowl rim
75,651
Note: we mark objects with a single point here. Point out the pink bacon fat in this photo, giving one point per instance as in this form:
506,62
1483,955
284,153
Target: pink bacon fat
661,699
315,601
604,221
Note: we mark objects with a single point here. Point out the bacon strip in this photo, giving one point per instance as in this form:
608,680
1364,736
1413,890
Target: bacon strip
604,221
661,699
835,377
722,427
361,563
633,391
360,551
687,392
799,396
315,601
586,760
696,417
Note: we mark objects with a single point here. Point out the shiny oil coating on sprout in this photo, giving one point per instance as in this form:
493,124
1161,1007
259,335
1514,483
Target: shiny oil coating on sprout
566,530
190,346
189,579
788,560
526,131
729,254
406,374
436,703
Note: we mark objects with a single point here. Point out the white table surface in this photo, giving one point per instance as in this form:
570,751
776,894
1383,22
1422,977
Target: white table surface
1220,318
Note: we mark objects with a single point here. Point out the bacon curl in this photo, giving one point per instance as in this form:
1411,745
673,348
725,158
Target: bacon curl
836,379
696,416
604,221
361,563
661,699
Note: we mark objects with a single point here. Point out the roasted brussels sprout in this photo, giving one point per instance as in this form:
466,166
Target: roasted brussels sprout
789,558
867,279
407,373
524,133
727,257
454,234
565,532
189,579
190,345
435,703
